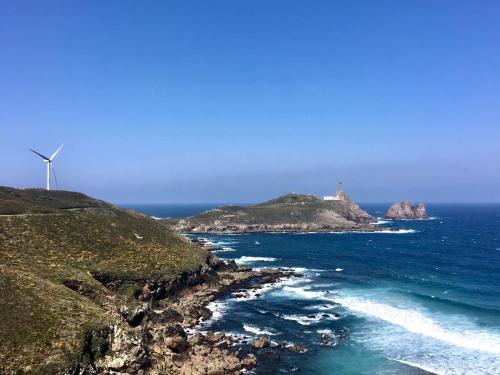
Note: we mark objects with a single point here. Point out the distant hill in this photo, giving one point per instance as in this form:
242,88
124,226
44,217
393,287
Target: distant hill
290,212
70,265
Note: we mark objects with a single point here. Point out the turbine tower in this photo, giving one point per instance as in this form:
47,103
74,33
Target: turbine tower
48,161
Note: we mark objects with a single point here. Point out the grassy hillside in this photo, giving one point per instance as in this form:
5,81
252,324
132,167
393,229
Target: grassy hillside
55,246
288,209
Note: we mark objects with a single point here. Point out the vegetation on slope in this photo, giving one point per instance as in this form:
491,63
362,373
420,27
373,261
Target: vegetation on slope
287,210
57,251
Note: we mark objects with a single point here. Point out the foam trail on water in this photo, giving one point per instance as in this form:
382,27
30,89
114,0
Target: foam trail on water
304,292
257,331
384,231
416,322
432,370
246,259
224,250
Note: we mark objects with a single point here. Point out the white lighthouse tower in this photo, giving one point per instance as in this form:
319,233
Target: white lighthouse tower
337,196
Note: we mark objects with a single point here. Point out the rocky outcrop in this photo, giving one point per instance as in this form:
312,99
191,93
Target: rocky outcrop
406,210
261,342
162,344
288,213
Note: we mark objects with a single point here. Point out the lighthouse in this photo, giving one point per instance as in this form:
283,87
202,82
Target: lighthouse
337,196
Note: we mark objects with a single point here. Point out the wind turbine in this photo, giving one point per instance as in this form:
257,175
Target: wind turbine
48,161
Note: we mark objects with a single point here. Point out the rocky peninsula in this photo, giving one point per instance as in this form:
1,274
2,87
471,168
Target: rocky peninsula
89,288
288,213
406,210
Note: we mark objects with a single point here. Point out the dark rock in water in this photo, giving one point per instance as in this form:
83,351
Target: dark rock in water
270,353
261,342
406,210
249,361
328,339
296,348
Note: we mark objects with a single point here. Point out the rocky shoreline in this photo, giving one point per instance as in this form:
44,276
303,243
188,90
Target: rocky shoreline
266,228
167,338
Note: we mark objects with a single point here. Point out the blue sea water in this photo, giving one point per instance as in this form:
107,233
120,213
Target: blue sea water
422,300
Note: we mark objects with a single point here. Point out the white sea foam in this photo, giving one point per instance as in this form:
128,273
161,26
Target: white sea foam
306,320
304,292
417,322
218,309
258,331
398,231
339,269
247,259
380,221
224,250
251,294
222,242
406,332
432,370
304,270
384,231
327,331
323,307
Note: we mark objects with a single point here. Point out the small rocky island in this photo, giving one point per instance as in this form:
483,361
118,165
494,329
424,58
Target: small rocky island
406,210
291,212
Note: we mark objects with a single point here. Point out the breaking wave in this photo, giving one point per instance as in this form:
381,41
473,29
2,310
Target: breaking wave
258,331
246,259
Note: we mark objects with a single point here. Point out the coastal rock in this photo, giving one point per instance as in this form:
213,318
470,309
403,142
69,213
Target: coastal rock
296,348
406,210
291,212
249,361
176,339
143,299
261,342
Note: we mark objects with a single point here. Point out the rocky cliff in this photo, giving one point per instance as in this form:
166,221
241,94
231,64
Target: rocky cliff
291,212
87,288
406,210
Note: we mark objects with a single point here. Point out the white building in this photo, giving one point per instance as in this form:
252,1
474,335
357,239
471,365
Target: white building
335,197
331,198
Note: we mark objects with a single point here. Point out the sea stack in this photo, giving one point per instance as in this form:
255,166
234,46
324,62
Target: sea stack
406,210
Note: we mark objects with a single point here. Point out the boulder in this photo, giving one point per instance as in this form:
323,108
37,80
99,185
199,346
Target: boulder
261,342
176,339
296,348
249,361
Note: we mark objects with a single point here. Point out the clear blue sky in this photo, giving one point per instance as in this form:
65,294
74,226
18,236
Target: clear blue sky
239,101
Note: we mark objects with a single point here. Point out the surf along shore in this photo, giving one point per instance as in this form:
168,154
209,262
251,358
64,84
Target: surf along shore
87,287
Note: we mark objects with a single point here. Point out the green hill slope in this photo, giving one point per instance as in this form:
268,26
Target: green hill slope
71,265
288,212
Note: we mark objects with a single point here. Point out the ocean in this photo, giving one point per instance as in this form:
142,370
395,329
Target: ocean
424,299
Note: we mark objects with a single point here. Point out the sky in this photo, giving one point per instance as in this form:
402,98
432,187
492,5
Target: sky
241,101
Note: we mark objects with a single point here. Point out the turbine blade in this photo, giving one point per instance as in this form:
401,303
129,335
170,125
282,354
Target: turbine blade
42,156
55,153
